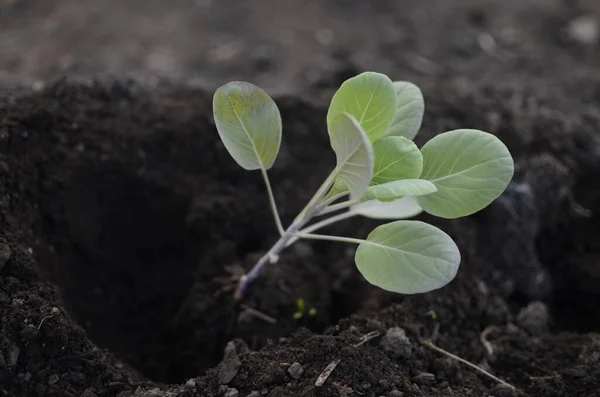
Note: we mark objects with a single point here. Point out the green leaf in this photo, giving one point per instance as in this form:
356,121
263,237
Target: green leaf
409,110
370,98
354,154
249,124
403,208
396,158
408,257
403,187
470,168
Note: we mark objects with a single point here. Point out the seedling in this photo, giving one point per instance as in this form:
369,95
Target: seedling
380,173
301,310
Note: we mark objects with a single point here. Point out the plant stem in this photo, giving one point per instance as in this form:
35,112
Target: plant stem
268,257
311,236
315,202
329,200
272,202
323,223
337,207
271,256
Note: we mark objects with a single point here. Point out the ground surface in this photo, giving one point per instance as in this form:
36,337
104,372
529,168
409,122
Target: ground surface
123,219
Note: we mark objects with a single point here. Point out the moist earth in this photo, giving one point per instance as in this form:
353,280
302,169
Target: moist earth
124,224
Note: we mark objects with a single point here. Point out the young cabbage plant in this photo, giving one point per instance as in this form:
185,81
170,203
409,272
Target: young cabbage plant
380,173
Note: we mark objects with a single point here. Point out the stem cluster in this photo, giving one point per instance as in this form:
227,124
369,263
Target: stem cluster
320,204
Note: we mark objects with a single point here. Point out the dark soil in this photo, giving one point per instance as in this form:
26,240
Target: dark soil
124,222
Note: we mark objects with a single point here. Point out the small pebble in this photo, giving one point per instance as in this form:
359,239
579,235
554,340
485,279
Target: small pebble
27,376
232,393
229,366
365,385
396,343
384,384
424,378
584,29
223,389
191,383
396,393
296,370
254,394
503,391
52,379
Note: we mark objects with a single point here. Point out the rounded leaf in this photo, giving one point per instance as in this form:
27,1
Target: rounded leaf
369,97
403,187
396,158
408,257
403,208
409,110
470,169
249,124
354,154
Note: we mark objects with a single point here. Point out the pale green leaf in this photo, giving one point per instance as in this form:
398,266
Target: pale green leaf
396,158
470,169
408,257
370,98
409,110
249,124
354,154
337,189
403,208
397,189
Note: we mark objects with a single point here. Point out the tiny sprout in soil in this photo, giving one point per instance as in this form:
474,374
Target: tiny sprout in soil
301,310
380,173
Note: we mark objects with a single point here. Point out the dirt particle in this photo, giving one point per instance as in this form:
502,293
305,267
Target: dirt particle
534,318
5,253
384,384
13,355
29,333
396,393
77,378
584,30
232,393
303,250
424,378
343,390
230,365
396,343
296,370
503,391
575,372
153,393
273,375
53,379
254,394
